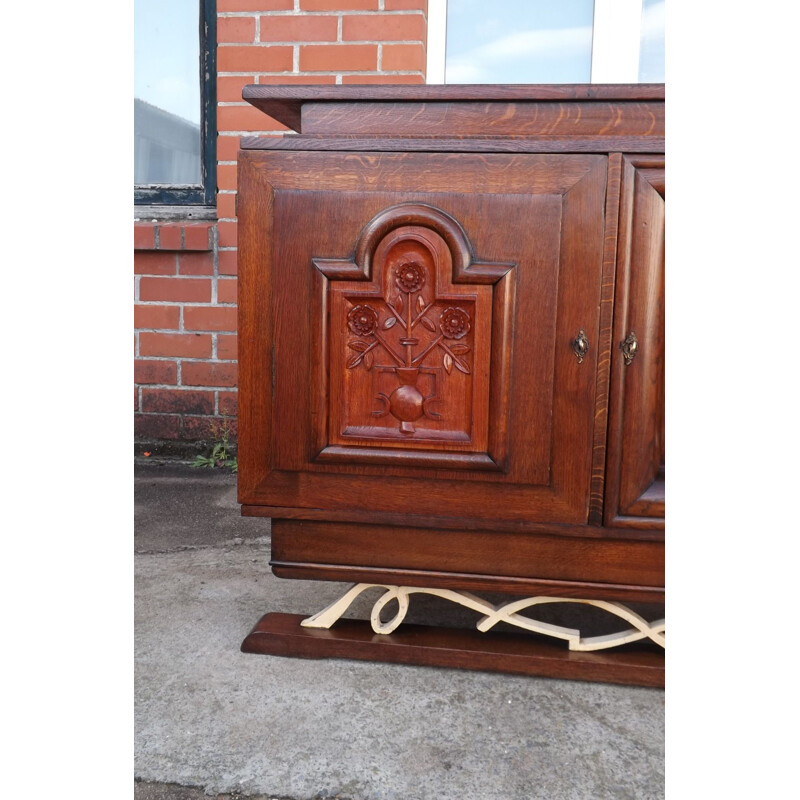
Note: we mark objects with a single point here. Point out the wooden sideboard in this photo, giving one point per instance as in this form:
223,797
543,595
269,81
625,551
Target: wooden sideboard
451,361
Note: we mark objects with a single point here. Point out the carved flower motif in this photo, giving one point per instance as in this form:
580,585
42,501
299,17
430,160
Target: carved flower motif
362,320
454,322
410,277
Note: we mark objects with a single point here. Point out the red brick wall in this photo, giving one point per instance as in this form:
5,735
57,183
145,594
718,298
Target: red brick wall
185,272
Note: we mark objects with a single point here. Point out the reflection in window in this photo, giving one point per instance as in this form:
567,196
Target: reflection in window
519,41
167,105
651,52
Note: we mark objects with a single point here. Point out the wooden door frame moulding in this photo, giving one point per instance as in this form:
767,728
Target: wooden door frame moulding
650,168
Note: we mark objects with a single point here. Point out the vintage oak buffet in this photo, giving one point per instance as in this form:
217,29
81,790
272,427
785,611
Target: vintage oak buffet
451,355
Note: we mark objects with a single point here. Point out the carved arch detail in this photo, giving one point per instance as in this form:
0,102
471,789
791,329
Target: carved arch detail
415,326
466,269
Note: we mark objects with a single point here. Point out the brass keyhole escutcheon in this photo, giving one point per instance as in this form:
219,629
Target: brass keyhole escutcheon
580,346
629,348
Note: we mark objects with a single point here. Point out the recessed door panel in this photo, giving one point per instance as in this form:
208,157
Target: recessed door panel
415,318
636,474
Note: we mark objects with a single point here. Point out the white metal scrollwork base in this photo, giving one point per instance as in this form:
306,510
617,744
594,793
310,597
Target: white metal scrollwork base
506,612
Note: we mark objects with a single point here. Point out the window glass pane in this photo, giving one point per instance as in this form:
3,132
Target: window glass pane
651,52
519,41
166,105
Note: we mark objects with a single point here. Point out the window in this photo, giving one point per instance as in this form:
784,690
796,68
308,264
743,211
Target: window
174,102
540,41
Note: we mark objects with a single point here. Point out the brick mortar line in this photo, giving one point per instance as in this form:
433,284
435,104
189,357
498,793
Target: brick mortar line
182,277
287,74
175,223
182,304
187,358
339,73
179,359
187,388
319,42
173,386
181,414
345,12
211,360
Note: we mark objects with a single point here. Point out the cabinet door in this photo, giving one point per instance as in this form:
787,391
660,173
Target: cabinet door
407,329
635,480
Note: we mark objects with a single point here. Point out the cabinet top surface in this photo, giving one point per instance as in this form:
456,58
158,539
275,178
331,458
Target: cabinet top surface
284,103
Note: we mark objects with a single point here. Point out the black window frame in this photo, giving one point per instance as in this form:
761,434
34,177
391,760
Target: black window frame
205,193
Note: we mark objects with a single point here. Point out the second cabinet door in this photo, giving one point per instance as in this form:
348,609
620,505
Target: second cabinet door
635,495
421,333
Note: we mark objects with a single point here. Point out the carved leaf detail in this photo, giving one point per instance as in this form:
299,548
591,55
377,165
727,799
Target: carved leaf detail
389,322
399,305
420,303
460,349
358,345
448,363
428,324
368,361
355,361
462,366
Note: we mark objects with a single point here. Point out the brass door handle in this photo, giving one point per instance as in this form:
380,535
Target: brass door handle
629,348
580,345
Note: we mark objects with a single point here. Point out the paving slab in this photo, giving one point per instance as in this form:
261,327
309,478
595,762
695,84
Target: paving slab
212,721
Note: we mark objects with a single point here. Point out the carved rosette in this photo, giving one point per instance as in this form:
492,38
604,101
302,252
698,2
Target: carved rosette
410,277
362,320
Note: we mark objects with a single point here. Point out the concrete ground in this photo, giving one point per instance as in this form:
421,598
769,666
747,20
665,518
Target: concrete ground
213,721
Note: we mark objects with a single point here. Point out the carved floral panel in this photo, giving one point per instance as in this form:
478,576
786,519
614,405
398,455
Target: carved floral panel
408,340
405,351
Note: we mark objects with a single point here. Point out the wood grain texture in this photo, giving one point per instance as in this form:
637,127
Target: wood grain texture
280,634
254,326
604,338
543,214
285,103
572,118
462,144
636,453
446,521
478,552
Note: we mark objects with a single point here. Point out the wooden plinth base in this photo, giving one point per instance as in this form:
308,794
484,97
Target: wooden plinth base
282,635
